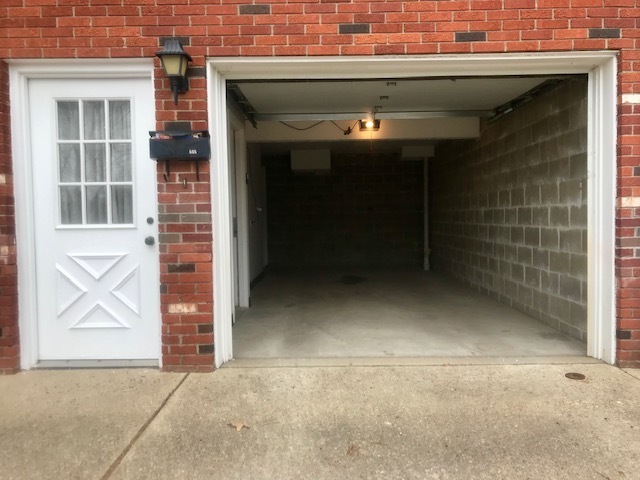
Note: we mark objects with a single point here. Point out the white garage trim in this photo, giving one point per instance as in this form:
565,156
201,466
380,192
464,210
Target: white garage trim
259,68
601,192
223,296
601,67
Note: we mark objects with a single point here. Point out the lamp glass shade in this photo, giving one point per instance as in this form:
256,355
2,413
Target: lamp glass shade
174,65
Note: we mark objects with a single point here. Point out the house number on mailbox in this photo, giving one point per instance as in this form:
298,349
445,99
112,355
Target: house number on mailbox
187,145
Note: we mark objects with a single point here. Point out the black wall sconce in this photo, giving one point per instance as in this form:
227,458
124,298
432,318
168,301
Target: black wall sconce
174,63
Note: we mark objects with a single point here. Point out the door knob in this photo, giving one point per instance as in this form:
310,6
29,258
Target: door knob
149,240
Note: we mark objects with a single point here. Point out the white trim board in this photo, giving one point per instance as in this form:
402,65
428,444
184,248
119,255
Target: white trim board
601,67
284,68
601,192
223,300
20,72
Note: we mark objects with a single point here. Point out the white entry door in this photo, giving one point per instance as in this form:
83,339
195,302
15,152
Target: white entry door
94,189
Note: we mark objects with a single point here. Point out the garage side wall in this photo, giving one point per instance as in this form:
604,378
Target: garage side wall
257,208
509,210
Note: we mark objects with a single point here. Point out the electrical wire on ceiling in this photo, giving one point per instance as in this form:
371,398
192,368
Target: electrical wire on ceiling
346,131
299,128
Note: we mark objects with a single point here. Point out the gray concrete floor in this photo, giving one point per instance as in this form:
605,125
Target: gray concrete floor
385,313
407,422
74,424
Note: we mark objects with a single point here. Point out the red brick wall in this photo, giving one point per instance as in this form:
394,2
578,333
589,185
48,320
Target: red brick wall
628,226
184,220
9,340
185,268
131,28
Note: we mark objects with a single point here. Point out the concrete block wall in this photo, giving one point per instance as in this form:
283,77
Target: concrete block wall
509,211
367,211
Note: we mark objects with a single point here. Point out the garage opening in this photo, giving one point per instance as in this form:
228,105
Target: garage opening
468,242
464,224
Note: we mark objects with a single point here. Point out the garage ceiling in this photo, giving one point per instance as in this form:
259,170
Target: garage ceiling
399,98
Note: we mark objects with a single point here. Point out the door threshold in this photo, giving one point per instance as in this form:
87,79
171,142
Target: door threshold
72,364
406,361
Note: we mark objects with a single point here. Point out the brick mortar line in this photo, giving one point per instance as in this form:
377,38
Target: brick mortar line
116,463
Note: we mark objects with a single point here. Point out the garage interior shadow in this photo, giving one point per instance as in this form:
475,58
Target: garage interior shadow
506,247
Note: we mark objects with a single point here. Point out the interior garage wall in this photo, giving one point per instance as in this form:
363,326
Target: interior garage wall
509,210
257,212
366,211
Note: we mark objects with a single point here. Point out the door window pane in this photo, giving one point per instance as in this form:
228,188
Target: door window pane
69,162
122,204
93,113
97,205
95,162
70,206
120,162
119,119
68,121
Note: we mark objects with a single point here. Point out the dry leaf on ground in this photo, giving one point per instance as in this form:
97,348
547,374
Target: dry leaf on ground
238,425
353,450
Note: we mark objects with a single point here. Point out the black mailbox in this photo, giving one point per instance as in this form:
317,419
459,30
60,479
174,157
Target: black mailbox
184,145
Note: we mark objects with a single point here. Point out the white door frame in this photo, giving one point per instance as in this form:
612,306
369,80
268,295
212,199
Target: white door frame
20,72
601,164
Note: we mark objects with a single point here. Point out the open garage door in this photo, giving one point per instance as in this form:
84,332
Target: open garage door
496,203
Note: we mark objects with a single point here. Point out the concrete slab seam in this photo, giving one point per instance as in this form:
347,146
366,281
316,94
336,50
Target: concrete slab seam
630,374
292,367
142,429
258,363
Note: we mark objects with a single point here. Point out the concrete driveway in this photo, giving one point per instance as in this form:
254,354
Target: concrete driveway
260,421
